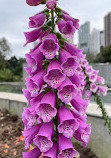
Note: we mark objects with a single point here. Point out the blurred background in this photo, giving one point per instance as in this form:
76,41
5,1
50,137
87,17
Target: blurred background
94,36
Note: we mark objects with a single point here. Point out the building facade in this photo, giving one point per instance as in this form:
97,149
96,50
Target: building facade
95,42
84,36
107,29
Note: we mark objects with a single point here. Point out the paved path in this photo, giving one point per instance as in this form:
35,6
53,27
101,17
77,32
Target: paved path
92,108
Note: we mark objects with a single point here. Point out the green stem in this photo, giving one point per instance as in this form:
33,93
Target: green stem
104,113
52,18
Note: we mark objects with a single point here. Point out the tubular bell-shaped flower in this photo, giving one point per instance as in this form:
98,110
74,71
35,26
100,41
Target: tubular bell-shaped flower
34,61
76,79
79,116
103,90
66,28
51,4
34,84
79,104
67,17
54,76
93,87
67,91
32,35
28,118
72,49
43,140
27,95
29,134
83,132
49,46
33,2
69,63
35,153
52,152
37,20
68,124
66,149
46,108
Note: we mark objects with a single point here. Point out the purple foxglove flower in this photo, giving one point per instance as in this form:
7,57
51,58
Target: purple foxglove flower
32,87
51,4
54,76
29,115
80,117
35,153
76,79
79,104
37,20
29,134
44,34
68,124
83,62
66,149
88,70
82,133
35,83
46,108
43,138
33,2
83,84
67,17
28,118
67,91
49,46
101,79
69,62
34,101
32,35
79,69
27,95
95,72
52,152
72,49
103,90
66,28
93,87
92,78
31,62
88,95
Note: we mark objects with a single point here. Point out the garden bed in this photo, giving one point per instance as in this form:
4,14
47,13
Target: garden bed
11,139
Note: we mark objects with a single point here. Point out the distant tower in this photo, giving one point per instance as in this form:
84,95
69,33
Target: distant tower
101,39
95,42
84,36
107,28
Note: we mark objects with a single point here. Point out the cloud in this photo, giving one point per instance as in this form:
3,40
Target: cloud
14,18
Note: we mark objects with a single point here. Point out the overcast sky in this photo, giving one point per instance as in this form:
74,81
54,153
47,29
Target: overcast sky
14,18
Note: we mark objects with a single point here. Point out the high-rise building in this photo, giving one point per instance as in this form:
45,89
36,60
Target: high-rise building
107,28
101,39
95,42
84,36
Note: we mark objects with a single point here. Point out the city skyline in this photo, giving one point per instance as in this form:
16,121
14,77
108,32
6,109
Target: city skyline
14,18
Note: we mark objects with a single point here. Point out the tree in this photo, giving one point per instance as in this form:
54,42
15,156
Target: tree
104,56
4,51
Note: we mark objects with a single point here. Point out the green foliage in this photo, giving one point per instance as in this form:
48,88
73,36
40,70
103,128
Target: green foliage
15,65
10,70
90,57
6,75
104,56
4,51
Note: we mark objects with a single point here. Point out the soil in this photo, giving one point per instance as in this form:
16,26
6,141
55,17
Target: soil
11,139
